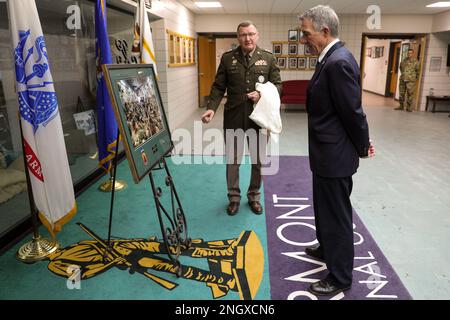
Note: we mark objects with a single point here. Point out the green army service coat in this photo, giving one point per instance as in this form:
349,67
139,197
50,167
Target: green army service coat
237,78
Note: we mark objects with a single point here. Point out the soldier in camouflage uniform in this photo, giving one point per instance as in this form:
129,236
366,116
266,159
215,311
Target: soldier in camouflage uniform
409,69
239,70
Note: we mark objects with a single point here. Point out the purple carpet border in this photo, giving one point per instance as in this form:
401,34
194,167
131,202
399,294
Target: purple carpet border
290,229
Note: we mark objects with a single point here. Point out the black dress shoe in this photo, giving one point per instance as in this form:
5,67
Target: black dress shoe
326,288
315,252
233,208
256,207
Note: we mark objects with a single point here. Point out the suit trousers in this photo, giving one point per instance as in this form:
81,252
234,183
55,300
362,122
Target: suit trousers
334,226
234,150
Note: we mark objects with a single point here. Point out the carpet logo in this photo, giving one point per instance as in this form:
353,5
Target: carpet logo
290,229
234,264
296,230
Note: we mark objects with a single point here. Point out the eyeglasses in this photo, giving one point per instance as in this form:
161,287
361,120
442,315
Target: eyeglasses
250,35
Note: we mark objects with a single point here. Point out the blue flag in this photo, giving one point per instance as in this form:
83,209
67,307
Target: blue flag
107,125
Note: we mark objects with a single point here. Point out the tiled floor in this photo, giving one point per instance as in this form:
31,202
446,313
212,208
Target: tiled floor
402,194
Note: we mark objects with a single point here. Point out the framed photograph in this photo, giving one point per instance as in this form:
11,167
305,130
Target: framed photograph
312,62
369,52
140,115
292,48
281,62
277,48
293,35
301,63
85,121
292,63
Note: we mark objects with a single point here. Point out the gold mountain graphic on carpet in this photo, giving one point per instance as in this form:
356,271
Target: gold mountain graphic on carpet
234,264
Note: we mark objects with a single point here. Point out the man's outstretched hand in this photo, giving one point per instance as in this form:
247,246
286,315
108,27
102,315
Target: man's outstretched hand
208,116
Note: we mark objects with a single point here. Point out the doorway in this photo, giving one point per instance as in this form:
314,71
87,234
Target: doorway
211,47
381,56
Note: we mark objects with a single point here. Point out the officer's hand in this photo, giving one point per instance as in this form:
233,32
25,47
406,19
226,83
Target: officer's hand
254,96
208,116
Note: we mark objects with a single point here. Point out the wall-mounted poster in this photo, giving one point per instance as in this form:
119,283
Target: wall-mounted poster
312,62
292,48
292,63
277,48
140,115
293,35
281,62
301,64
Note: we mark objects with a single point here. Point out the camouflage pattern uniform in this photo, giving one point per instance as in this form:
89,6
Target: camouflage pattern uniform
409,69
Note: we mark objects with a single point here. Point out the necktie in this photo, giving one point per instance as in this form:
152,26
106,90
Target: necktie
247,59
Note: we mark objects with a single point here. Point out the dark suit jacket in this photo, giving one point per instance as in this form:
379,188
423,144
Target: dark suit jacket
337,126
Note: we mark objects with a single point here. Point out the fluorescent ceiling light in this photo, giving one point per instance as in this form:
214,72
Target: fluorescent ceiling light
214,4
442,4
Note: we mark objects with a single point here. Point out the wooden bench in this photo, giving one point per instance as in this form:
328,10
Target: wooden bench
294,91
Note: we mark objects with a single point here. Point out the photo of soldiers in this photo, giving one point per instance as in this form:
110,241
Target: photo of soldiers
140,105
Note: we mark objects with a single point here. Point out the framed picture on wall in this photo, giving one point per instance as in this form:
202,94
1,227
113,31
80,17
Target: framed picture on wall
277,48
281,62
139,112
293,35
301,64
292,48
292,63
369,52
312,62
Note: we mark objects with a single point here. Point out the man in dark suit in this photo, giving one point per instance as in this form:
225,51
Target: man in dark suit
239,71
338,137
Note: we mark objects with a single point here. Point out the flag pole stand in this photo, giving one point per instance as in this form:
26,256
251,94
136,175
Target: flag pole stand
108,185
38,248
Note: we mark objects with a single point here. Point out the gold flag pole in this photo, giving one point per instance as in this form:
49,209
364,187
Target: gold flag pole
119,185
38,248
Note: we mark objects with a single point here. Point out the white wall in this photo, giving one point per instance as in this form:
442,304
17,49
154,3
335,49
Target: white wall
375,69
440,81
441,22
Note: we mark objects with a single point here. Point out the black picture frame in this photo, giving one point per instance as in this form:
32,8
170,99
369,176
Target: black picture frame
293,49
301,63
312,62
293,35
281,62
277,48
292,63
140,115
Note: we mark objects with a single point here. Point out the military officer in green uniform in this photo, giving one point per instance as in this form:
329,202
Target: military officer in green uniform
409,69
239,70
